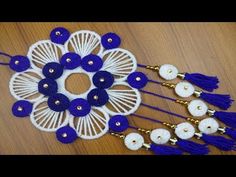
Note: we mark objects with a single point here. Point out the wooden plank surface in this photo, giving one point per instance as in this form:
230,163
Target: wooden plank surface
195,47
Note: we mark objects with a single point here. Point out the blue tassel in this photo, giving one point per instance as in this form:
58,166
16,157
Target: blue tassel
165,150
208,83
192,147
221,101
228,118
220,142
231,132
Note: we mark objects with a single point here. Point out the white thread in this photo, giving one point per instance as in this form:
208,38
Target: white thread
119,62
92,125
46,119
24,85
43,52
84,42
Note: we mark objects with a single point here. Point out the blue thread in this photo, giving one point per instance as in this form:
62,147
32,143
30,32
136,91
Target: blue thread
103,79
19,63
165,150
59,35
118,123
6,55
157,95
228,118
79,107
91,63
47,86
66,134
58,102
137,80
110,40
52,70
70,60
97,97
22,108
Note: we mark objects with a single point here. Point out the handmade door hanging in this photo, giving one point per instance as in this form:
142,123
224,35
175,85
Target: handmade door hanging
114,96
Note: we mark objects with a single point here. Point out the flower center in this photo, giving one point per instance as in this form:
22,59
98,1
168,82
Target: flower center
77,83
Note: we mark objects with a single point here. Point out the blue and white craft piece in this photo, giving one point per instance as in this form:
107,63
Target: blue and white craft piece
54,108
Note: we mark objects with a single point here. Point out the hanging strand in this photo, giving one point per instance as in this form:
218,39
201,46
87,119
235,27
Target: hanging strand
6,55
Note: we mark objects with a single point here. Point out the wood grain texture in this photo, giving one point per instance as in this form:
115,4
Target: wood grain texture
193,47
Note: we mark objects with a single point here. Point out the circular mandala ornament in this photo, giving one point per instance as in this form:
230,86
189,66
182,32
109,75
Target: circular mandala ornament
40,81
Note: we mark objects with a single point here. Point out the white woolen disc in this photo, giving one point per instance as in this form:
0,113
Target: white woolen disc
160,136
184,89
134,141
208,126
168,72
184,130
197,108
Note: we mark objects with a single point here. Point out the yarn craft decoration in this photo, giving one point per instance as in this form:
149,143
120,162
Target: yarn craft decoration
114,95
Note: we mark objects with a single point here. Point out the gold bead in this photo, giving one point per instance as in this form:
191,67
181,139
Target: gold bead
109,40
159,137
118,124
138,79
57,102
68,60
51,70
19,108
185,130
45,85
17,62
101,79
79,108
169,71
90,62
199,107
95,97
58,33
208,127
185,88
64,135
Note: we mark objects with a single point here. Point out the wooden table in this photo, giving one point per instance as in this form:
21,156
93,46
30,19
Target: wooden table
195,47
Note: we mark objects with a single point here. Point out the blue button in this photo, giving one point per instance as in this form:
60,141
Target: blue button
70,60
58,102
97,97
110,40
22,108
103,79
91,63
19,63
47,86
66,135
79,107
137,80
59,35
118,123
53,70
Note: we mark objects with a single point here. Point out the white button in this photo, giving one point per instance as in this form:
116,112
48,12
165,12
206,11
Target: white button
197,108
160,136
168,72
184,89
208,126
134,141
184,130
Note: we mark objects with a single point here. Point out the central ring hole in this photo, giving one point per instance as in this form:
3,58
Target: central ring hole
77,83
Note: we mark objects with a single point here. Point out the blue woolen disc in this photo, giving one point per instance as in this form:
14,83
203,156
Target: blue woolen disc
19,63
97,97
110,41
137,80
59,35
22,108
118,123
70,60
103,79
58,102
47,86
91,63
66,134
79,107
53,70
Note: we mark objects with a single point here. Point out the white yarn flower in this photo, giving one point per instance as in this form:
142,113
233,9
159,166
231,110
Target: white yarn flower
119,62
